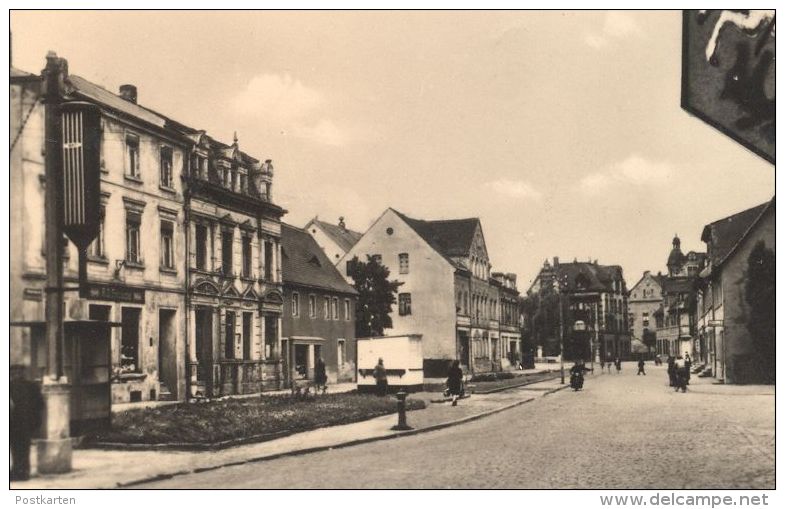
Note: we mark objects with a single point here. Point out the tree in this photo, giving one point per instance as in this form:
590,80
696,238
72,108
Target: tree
649,338
376,296
760,293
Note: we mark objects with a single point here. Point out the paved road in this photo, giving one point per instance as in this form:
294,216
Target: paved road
622,431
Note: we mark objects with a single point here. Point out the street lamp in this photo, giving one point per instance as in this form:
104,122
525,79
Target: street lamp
561,281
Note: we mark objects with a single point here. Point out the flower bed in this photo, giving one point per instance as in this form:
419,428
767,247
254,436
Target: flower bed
237,419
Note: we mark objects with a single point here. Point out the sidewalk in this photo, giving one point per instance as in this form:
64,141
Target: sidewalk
93,468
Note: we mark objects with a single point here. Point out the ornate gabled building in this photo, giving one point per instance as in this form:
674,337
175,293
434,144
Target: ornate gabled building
594,302
645,298
234,287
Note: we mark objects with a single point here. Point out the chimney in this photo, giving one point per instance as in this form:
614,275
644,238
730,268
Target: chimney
128,92
555,261
341,223
646,273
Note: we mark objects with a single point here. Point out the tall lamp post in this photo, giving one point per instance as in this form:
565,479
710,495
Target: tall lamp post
562,284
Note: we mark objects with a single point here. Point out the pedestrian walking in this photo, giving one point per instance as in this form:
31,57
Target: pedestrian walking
455,382
641,367
687,367
602,366
671,371
25,419
380,374
320,375
618,365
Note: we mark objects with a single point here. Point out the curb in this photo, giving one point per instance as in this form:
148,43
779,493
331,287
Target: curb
341,445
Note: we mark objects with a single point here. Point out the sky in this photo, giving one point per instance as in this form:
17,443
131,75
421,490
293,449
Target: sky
561,131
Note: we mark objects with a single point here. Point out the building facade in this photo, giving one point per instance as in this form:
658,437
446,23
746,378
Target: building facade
234,288
134,267
334,239
594,305
675,319
447,293
726,346
186,266
645,298
318,312
509,317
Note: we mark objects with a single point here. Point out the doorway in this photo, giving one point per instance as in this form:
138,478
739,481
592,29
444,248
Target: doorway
301,367
167,348
204,345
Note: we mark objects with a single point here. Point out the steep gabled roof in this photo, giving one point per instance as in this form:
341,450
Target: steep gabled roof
725,234
449,237
304,262
673,285
344,237
588,276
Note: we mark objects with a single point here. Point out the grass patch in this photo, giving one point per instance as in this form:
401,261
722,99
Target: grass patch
493,376
216,421
507,381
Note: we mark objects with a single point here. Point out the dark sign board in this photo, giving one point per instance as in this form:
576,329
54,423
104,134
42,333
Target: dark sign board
80,171
728,74
113,292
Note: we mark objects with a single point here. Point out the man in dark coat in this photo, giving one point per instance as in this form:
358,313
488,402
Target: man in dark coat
320,375
380,374
672,370
641,369
25,418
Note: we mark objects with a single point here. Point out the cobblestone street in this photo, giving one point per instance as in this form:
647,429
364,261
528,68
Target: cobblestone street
622,431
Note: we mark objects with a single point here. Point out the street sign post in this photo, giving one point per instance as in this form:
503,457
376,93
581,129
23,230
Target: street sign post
728,74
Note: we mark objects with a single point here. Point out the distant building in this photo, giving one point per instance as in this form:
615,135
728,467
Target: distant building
675,318
509,317
596,321
335,240
722,312
318,313
645,298
448,294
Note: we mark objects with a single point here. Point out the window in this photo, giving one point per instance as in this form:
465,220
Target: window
201,247
645,319
229,339
243,183
295,304
167,244
377,258
327,308
132,156
347,310
97,246
335,308
268,260
403,263
247,256
166,167
247,332
404,304
341,352
312,306
133,247
226,251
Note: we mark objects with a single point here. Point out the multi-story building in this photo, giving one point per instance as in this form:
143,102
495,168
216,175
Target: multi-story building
675,319
725,344
645,298
334,239
234,286
318,312
509,317
447,293
186,263
135,268
595,308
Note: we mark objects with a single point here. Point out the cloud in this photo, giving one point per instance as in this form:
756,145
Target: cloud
286,105
633,171
277,95
515,189
617,25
